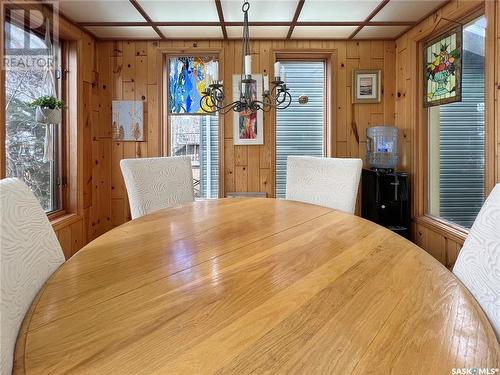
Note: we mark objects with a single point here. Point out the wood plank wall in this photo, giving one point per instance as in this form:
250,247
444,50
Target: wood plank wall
441,241
74,230
131,70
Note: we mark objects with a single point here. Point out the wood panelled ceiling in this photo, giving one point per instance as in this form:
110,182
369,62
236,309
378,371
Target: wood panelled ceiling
222,19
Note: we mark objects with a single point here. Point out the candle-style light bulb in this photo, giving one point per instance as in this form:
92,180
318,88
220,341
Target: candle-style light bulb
266,83
207,76
248,65
215,70
277,67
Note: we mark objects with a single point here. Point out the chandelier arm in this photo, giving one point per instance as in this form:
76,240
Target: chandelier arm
287,94
231,106
279,98
270,105
223,109
207,101
264,106
277,104
276,91
216,95
267,100
283,95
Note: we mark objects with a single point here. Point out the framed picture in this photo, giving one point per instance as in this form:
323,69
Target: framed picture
128,120
248,128
366,86
443,68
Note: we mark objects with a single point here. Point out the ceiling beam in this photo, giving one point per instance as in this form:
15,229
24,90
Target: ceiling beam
147,18
221,18
113,23
369,18
191,39
319,23
356,23
295,18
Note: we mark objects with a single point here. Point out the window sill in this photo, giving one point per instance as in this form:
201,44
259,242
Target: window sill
62,221
447,229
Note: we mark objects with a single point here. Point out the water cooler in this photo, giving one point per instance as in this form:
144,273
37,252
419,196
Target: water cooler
384,191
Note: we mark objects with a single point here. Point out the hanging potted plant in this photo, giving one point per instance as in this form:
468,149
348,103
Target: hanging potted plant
48,109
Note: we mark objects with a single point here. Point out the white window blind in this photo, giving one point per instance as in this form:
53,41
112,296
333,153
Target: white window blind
300,127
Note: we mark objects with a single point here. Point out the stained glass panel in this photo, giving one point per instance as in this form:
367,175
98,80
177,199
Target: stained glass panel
443,69
187,80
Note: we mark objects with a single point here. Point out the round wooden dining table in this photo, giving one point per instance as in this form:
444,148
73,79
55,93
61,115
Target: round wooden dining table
253,286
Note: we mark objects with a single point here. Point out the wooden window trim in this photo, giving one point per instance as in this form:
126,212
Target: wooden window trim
73,190
446,228
65,130
62,135
70,133
330,60
167,53
329,57
61,144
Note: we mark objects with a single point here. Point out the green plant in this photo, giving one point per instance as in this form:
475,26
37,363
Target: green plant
47,101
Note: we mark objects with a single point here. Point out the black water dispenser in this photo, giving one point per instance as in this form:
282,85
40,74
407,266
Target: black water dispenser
385,199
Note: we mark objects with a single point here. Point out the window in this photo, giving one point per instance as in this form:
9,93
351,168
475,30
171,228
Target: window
196,134
456,140
25,138
300,129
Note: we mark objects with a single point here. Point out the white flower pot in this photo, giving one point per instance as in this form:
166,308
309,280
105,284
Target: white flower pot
48,115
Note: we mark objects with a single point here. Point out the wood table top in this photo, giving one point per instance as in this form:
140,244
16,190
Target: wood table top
253,286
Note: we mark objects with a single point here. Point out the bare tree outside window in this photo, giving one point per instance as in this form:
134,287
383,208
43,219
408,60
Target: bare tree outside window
24,136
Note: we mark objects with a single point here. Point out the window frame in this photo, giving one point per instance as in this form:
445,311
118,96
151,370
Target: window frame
77,76
62,141
59,192
329,57
300,57
165,54
421,196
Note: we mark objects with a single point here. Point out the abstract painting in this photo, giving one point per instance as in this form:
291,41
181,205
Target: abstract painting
248,127
128,124
443,69
186,83
366,86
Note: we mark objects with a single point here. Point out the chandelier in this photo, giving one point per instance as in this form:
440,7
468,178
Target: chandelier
278,97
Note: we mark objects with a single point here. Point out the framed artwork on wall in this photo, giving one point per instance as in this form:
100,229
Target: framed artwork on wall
128,120
443,68
248,128
366,86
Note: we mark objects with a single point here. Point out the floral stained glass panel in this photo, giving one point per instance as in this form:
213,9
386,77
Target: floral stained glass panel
443,69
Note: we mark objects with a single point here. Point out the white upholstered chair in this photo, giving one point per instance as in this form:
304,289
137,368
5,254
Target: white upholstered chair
328,182
156,183
478,263
30,253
